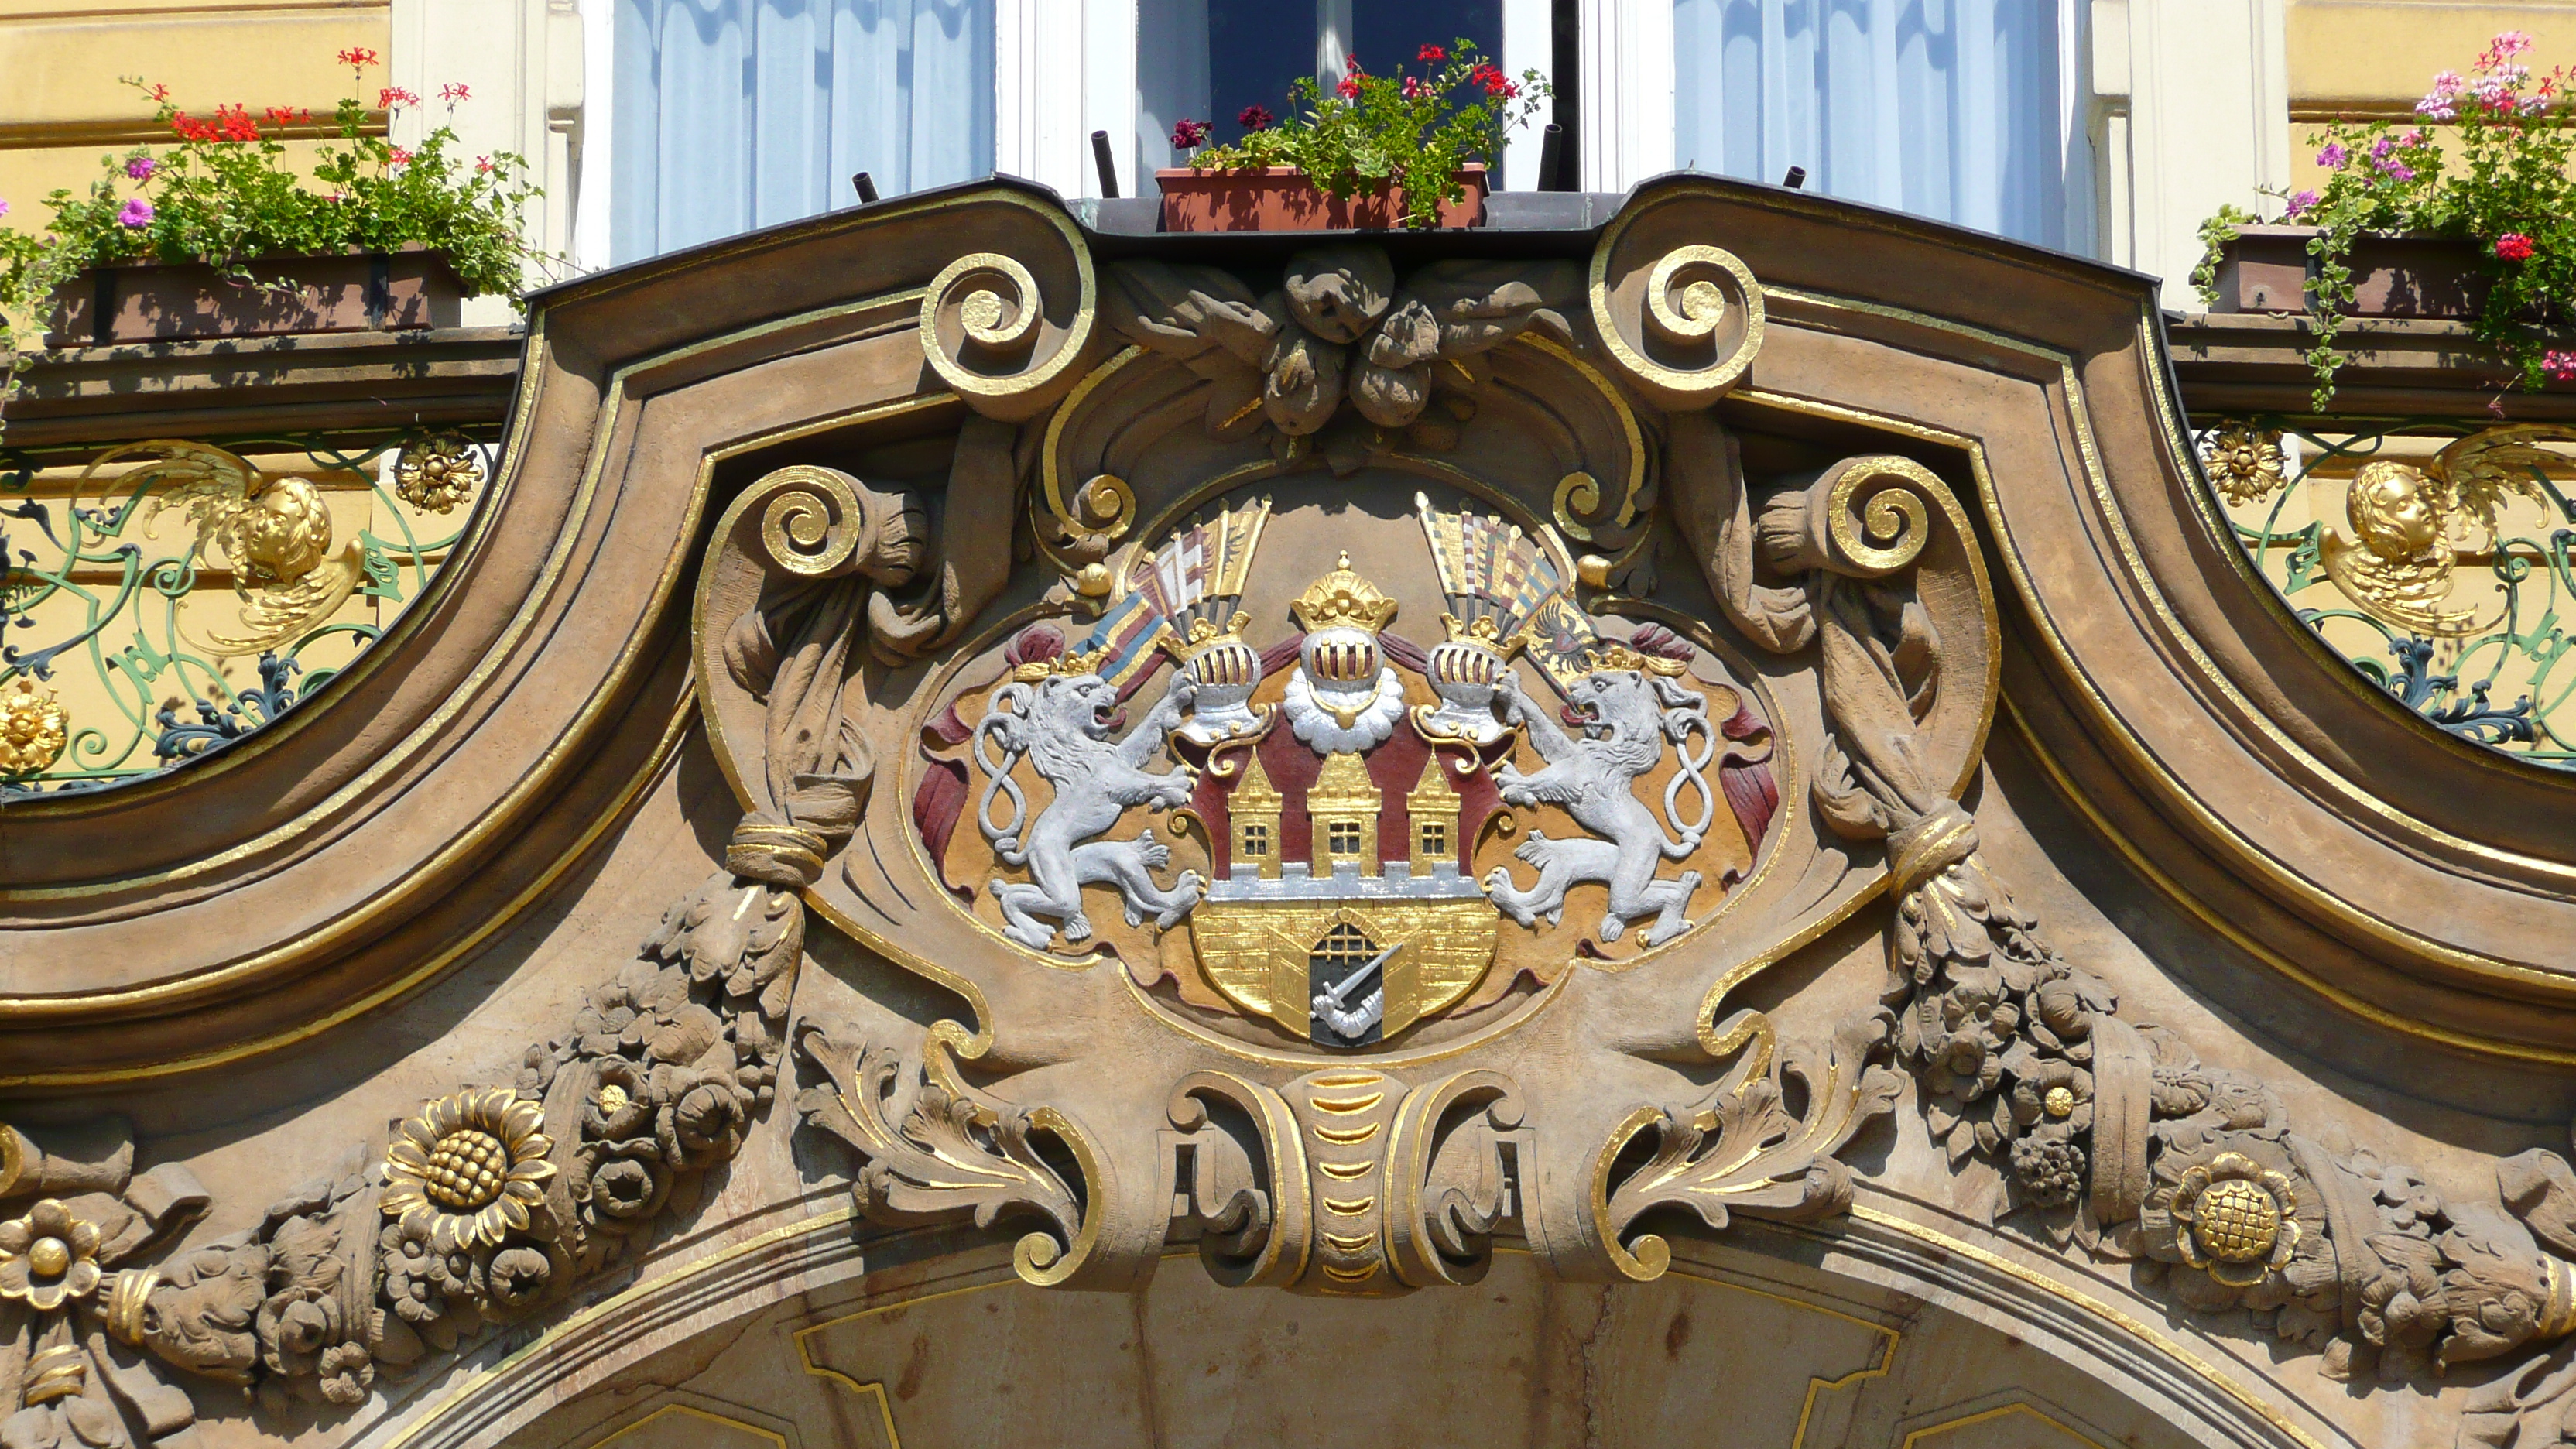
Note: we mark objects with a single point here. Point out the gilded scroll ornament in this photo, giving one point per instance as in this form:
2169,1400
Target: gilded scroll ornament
438,473
1680,321
33,727
1003,338
1740,1149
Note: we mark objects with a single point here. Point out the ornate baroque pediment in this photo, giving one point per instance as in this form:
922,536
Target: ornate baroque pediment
1326,758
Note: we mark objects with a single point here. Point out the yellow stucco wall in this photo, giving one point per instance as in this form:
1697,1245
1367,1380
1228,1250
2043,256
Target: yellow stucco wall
63,104
2368,60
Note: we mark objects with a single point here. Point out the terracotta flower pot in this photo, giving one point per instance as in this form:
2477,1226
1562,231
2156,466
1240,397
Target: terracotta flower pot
356,292
2268,269
1280,198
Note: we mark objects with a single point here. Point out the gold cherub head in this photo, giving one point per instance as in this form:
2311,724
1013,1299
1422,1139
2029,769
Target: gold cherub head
1342,600
2390,512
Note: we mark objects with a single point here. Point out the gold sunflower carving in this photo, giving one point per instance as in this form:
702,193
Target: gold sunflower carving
469,1167
2235,1216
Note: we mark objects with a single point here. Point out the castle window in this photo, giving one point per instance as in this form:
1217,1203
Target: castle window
1342,837
1256,837
1434,835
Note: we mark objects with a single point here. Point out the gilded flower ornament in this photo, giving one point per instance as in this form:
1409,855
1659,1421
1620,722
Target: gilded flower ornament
48,1257
2243,462
2235,1219
436,474
33,728
470,1165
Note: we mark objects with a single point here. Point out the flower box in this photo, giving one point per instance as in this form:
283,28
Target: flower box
2268,269
1280,198
356,292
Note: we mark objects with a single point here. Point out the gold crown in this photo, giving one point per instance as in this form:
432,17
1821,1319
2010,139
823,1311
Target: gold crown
1204,633
1070,662
1484,632
1342,600
1620,656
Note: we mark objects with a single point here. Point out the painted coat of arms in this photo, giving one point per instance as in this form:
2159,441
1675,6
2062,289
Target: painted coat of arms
1313,821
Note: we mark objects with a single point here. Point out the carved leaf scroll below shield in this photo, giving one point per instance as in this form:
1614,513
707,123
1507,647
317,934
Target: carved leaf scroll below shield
1285,818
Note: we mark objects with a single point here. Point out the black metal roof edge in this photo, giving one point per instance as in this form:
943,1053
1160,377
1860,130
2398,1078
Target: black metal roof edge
1519,224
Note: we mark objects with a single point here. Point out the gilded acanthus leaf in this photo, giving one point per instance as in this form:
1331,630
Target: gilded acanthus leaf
1741,1149
936,1147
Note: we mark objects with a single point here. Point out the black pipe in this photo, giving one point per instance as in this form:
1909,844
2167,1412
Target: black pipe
866,186
1551,157
1108,167
1796,179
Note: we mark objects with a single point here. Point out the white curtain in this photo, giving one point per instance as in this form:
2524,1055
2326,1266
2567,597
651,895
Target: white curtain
736,114
1945,108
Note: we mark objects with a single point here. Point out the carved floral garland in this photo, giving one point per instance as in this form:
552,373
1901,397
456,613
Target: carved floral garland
492,1203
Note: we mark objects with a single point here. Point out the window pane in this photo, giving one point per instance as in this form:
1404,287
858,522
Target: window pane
1206,60
1945,108
1388,33
1255,50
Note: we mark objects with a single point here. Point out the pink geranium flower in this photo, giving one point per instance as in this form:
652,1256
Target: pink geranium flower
137,212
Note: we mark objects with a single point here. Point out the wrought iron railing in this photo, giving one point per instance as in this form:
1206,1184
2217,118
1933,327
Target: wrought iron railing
2432,554
163,598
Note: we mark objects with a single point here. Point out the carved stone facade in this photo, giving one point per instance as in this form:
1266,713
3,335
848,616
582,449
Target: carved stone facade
1683,829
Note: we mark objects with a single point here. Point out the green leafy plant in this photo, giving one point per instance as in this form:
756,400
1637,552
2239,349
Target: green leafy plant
1411,132
2501,183
225,195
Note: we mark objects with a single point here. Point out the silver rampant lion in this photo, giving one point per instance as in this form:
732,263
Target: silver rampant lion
1626,716
1061,724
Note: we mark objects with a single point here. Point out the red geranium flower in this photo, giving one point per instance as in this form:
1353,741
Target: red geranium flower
1432,55
392,97
1254,118
2513,246
357,56
1187,133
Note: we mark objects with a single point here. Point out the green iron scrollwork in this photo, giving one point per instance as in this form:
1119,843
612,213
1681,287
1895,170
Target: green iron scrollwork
2434,555
128,647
